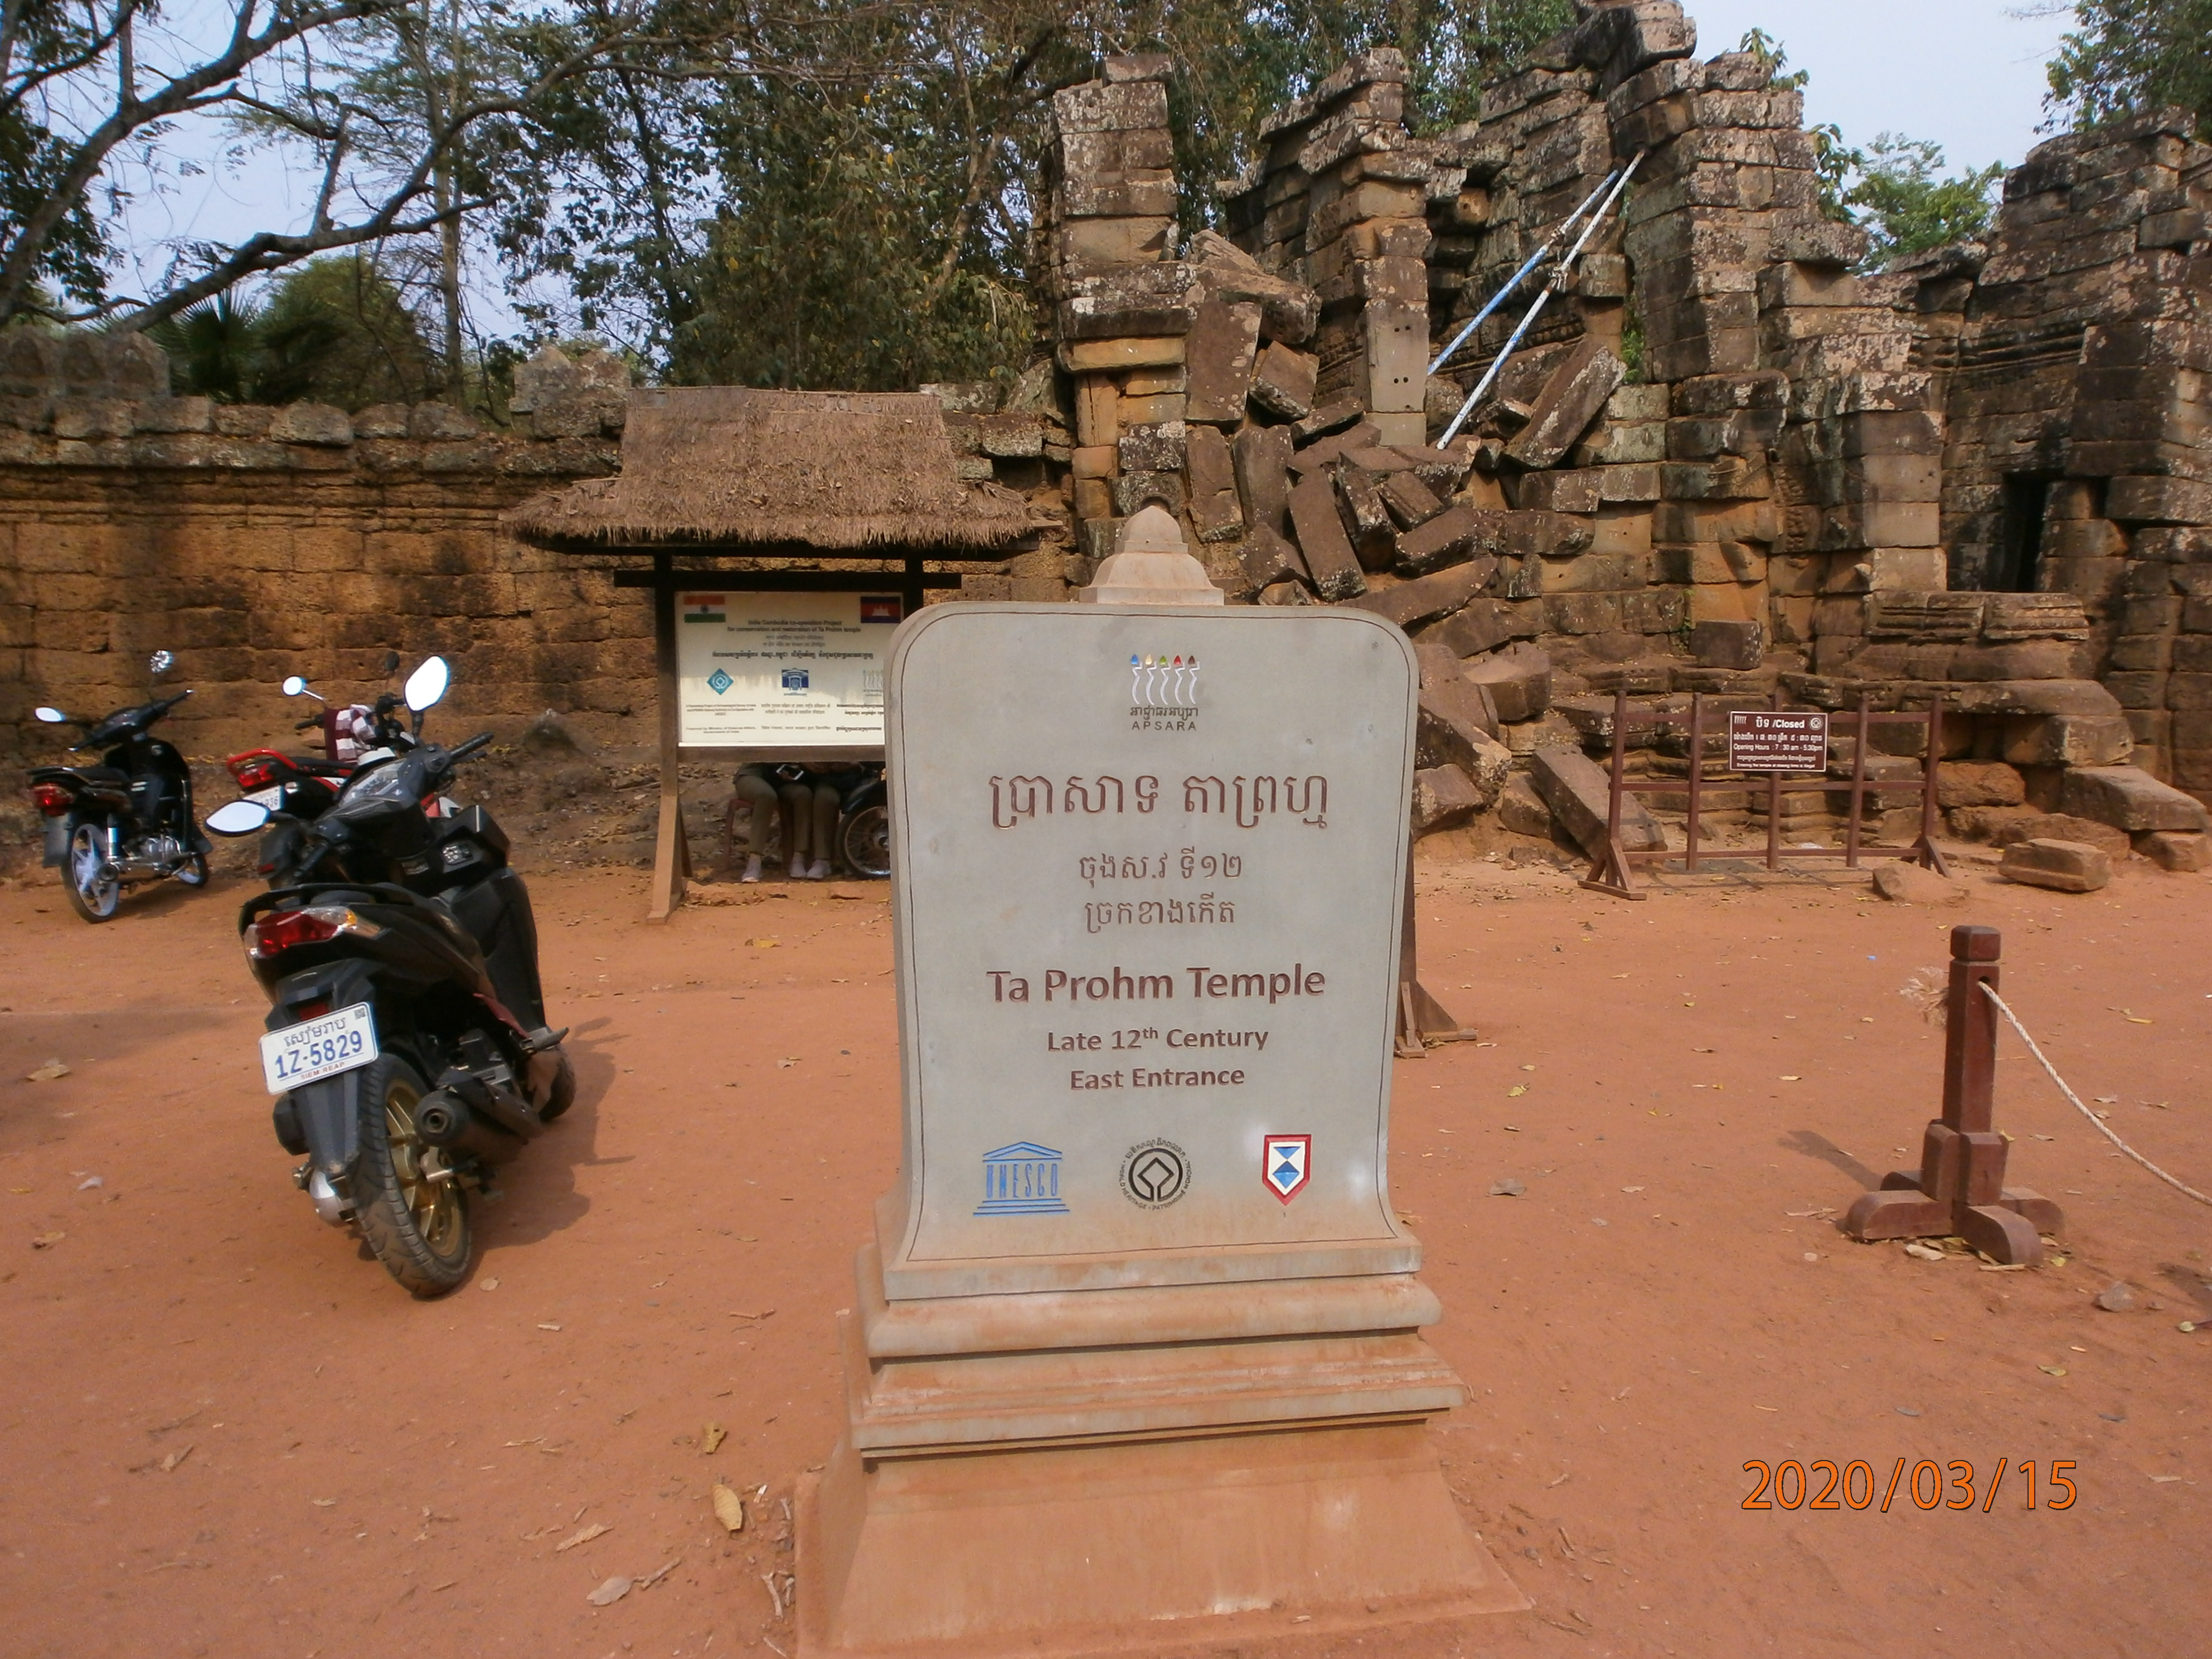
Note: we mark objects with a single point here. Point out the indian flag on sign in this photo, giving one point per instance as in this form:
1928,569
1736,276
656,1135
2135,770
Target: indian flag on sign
704,608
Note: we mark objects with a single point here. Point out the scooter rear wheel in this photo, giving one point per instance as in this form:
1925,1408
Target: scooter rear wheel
413,1212
865,842
91,895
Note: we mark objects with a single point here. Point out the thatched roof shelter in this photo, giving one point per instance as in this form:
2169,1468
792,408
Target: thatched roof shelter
735,469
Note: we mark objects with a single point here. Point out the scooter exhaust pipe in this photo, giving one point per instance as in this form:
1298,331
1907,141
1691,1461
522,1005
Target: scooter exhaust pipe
444,1120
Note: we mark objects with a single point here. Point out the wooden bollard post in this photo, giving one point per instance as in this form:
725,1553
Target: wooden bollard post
1959,1189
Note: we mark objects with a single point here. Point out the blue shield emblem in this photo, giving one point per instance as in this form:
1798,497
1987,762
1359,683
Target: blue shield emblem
1285,1164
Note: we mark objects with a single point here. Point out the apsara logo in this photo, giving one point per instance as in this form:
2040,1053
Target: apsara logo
1164,682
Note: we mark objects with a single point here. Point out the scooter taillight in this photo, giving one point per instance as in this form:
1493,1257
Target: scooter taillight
287,930
52,799
257,774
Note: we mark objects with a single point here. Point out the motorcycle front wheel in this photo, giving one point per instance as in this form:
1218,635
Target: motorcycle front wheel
193,873
865,842
91,894
412,1211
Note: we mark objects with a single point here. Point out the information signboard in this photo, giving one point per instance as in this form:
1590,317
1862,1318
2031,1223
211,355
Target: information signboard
781,671
1149,869
1778,740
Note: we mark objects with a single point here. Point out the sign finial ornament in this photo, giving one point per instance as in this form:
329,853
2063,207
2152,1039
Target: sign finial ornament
1150,565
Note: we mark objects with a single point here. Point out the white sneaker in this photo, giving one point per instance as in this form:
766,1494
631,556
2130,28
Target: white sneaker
752,869
819,871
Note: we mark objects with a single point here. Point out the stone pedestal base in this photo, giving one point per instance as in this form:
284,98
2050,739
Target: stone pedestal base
1040,1483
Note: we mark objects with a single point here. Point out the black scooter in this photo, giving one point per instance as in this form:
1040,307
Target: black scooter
407,1043
129,819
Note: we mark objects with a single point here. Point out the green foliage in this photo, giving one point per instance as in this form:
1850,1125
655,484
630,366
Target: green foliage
2129,57
852,203
337,330
216,349
35,157
1906,208
1891,188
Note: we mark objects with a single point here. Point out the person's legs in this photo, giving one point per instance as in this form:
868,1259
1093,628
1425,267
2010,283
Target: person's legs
826,802
798,801
759,794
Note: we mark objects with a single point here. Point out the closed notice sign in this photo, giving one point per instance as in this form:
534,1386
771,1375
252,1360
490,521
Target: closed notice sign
1775,740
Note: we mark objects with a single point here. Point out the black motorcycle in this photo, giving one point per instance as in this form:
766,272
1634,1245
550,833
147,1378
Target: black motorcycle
407,1043
130,818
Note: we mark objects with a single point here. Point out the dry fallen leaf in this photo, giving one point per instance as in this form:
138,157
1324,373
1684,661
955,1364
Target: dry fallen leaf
729,1509
610,1593
762,943
657,1575
787,1062
47,1241
1517,1089
324,1502
47,1072
714,1437
2052,1371
175,1458
1925,1252
595,1529
488,1285
547,1325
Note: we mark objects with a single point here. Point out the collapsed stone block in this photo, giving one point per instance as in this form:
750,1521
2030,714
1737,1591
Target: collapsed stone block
1268,558
1518,679
1410,604
1262,459
1521,808
1452,737
2128,798
1410,502
2177,850
1215,511
1282,384
1443,797
2063,867
1578,793
1220,348
1328,549
1572,397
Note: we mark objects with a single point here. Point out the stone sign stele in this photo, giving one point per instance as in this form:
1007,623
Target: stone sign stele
1138,1337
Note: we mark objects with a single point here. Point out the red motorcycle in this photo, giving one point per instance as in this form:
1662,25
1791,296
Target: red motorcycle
299,788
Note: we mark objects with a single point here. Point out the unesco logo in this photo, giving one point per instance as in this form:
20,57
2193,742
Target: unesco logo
1155,1174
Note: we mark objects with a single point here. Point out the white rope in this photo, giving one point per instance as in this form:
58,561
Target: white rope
2097,1122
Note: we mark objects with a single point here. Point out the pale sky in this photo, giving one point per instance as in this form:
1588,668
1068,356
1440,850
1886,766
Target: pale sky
1965,73
1968,74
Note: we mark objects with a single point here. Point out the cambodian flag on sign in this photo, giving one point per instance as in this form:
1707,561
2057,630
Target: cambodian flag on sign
1285,1164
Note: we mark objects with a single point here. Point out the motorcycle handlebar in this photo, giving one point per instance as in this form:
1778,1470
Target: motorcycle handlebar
461,751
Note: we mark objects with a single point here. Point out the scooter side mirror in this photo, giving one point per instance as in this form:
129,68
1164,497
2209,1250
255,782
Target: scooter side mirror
159,663
427,685
50,716
296,687
237,818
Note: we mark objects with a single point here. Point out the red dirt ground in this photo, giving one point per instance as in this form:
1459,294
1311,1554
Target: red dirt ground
223,1432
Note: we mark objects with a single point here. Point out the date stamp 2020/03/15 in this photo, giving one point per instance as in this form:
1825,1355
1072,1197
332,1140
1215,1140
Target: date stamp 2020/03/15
1822,1484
